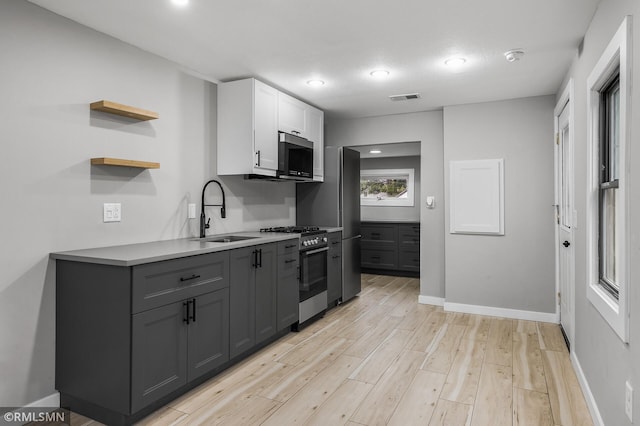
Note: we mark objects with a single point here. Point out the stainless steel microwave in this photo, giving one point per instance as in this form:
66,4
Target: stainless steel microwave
295,157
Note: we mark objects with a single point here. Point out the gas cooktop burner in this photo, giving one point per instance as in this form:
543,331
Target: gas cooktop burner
304,230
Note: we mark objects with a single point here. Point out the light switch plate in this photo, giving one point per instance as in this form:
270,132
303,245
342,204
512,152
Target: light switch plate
192,211
112,212
431,202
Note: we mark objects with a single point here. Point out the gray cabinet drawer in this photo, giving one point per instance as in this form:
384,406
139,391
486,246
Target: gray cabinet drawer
409,235
288,247
379,259
409,260
160,283
381,234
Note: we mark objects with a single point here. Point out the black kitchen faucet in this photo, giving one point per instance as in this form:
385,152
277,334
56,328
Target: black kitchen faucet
223,212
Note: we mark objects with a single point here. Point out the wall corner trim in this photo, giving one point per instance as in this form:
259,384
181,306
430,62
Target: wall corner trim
586,390
430,300
52,400
502,312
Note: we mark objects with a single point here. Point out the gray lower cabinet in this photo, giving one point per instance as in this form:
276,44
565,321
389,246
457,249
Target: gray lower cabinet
129,339
266,292
288,284
177,343
126,337
391,248
252,296
334,268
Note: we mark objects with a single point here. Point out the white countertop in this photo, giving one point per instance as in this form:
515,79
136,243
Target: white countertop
137,254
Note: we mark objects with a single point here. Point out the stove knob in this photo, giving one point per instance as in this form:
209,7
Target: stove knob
324,239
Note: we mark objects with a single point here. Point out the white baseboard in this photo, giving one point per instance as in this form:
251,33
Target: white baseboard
502,312
586,390
431,300
52,400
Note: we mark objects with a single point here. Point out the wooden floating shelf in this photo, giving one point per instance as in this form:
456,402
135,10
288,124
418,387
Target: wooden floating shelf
104,161
124,110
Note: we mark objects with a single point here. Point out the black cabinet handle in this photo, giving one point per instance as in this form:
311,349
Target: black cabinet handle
290,246
260,261
185,318
335,242
192,277
289,261
566,244
299,274
254,261
335,257
258,153
193,312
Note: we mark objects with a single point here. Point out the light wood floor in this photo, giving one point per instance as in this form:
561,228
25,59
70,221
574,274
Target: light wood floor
384,359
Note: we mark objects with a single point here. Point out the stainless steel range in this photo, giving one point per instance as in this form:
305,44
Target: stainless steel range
313,270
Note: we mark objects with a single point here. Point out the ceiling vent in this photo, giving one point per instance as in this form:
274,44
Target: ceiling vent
406,97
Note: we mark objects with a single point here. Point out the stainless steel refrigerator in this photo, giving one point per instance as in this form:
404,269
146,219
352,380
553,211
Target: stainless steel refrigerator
333,203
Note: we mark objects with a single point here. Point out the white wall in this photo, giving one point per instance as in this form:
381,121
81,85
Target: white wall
514,271
426,128
606,361
52,198
394,213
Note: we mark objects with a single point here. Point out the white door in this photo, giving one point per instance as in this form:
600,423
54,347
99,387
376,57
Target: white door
565,220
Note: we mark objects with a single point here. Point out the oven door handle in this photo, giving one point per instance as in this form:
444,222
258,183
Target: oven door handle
310,252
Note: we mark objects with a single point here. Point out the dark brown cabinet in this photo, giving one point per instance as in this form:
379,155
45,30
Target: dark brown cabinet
391,248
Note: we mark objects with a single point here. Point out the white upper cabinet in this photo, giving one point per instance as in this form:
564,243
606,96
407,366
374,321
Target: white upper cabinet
250,114
247,128
265,121
315,121
292,115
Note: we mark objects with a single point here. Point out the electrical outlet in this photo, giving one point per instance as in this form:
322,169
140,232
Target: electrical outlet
628,401
112,212
192,211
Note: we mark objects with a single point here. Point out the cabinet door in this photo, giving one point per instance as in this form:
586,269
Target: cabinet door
288,297
159,354
208,333
265,127
292,117
266,289
242,301
315,119
334,268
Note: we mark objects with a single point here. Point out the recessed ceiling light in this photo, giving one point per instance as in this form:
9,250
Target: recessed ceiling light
379,73
455,62
513,55
180,2
375,151
315,83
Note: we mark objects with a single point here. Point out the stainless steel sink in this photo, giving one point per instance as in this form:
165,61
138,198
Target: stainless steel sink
223,239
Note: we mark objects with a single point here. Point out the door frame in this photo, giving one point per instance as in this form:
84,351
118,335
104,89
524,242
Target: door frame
566,99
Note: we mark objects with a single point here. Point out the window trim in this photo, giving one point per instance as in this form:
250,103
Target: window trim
409,201
617,55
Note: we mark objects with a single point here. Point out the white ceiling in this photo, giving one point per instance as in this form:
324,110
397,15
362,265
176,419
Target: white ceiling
287,42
